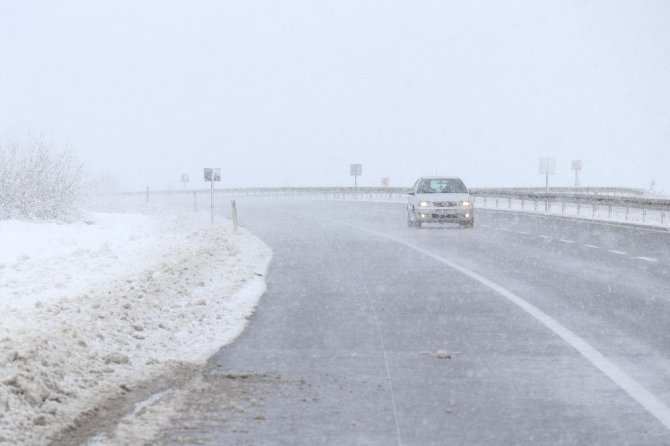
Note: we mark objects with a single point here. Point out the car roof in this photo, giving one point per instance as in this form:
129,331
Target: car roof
439,178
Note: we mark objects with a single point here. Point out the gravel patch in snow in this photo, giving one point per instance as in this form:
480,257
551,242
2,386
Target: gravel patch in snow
90,309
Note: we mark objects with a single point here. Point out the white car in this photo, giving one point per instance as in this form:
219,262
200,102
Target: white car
440,200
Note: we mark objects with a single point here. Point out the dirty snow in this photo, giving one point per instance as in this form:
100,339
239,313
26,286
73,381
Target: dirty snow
88,309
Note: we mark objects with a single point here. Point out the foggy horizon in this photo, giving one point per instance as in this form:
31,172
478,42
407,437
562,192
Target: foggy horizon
291,94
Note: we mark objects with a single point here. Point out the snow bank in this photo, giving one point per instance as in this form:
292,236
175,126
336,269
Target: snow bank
88,309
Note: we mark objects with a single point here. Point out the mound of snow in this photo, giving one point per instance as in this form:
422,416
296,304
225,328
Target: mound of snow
87,309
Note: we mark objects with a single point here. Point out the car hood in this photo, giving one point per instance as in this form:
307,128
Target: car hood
442,197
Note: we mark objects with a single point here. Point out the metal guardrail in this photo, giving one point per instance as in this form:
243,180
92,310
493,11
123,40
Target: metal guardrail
638,202
620,191
603,203
617,196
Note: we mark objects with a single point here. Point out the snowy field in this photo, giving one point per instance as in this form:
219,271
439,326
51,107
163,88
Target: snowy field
92,308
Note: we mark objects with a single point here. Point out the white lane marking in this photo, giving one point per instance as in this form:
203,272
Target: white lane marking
592,246
386,364
523,232
567,241
546,237
635,390
648,259
504,229
485,226
614,251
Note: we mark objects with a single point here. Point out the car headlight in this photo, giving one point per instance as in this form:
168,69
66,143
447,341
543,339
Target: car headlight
424,204
465,203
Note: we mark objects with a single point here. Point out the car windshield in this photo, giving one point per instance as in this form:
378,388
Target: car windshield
442,186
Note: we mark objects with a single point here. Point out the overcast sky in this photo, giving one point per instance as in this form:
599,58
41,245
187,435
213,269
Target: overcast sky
289,93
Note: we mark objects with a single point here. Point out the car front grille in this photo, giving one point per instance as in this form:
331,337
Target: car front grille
445,204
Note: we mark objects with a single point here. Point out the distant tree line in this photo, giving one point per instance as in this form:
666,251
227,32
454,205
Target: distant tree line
38,182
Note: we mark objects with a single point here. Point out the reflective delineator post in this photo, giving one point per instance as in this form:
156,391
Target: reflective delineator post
233,206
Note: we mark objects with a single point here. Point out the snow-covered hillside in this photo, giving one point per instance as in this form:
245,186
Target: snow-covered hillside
88,309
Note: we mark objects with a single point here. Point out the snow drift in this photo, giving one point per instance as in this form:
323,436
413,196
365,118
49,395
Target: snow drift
90,308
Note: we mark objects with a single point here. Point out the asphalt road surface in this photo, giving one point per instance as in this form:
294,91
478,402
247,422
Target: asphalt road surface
523,330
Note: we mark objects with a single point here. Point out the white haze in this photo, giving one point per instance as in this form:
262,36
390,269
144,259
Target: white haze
281,93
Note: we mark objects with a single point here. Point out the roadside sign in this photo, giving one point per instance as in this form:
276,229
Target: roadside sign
212,174
547,166
184,178
577,167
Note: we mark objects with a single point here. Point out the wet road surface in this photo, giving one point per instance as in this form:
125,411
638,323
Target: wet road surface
371,334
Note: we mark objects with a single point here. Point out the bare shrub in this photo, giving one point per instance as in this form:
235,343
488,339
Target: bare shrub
39,183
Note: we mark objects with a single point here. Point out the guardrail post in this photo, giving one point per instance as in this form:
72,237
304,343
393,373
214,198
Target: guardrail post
195,201
563,207
594,210
626,217
535,201
548,205
662,217
484,201
509,203
644,215
579,208
496,202
523,202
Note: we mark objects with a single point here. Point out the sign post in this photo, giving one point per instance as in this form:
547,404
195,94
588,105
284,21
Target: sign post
547,167
212,175
184,179
577,167
356,170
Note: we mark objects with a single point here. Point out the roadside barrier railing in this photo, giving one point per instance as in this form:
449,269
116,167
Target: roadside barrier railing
600,203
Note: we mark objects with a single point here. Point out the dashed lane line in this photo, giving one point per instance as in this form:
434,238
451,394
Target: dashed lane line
389,381
648,259
548,237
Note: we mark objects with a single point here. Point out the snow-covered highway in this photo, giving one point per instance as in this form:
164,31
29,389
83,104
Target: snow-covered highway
524,330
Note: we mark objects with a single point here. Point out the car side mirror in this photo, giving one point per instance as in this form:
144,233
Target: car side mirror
410,193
